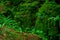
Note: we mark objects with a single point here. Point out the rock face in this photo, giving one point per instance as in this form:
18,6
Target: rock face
10,34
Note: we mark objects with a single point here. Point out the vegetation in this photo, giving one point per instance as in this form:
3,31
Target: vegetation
29,19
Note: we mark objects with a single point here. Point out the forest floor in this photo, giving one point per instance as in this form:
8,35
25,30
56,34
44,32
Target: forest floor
11,34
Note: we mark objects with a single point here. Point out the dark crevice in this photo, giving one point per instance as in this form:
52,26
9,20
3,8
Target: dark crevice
57,1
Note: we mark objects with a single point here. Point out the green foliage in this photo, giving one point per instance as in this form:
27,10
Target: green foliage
31,16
